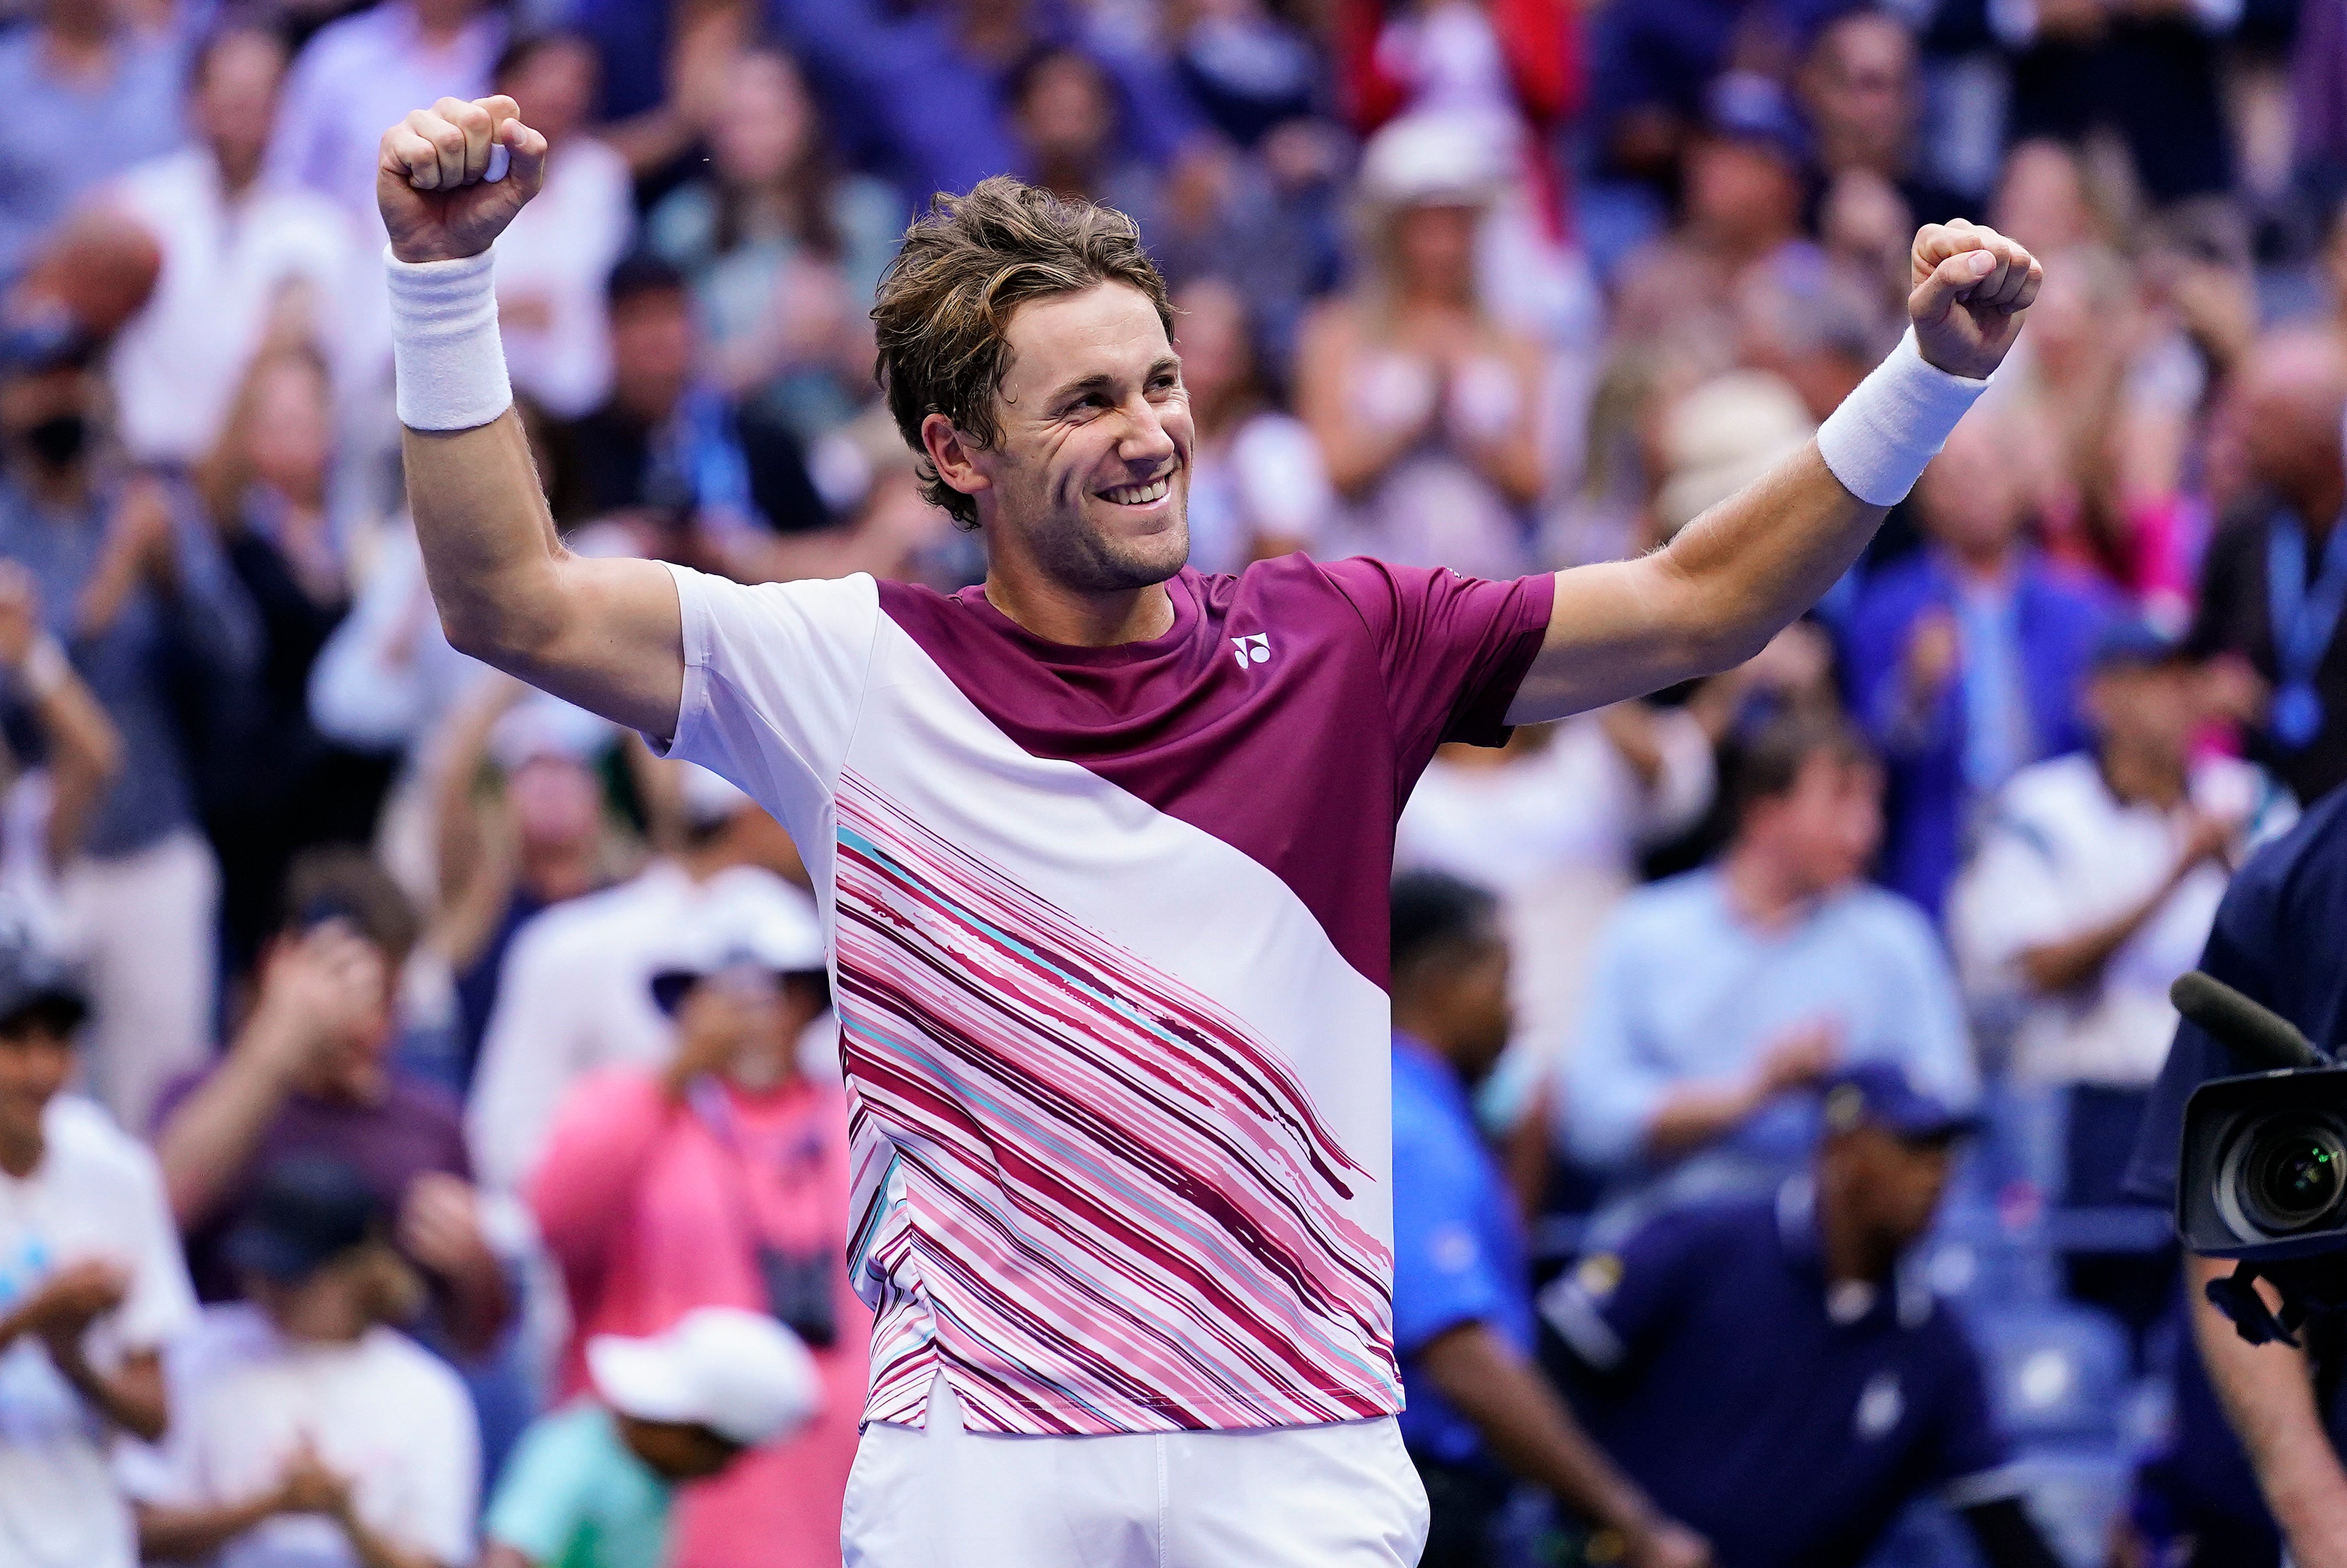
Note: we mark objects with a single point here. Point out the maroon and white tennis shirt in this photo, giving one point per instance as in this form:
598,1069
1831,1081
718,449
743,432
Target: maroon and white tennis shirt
1109,939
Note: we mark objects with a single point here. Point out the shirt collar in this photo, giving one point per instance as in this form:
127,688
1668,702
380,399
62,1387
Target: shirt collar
1422,1062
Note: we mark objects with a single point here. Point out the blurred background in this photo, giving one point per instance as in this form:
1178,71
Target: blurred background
1502,285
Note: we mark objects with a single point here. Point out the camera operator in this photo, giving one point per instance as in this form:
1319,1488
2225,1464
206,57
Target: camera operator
2276,940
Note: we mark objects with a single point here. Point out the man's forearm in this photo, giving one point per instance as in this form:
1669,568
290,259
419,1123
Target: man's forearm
2268,1397
1528,1427
2075,961
211,1137
1695,1114
132,1398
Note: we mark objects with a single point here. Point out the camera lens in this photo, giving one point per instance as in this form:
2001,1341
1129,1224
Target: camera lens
2294,1174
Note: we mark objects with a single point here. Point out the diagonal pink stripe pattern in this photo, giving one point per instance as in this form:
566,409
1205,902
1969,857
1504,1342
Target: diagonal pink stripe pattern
1091,1195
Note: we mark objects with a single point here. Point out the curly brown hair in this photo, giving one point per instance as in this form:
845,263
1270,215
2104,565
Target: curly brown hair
946,301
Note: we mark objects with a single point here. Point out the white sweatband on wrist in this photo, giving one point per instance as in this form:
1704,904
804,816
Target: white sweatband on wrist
44,669
1893,423
450,366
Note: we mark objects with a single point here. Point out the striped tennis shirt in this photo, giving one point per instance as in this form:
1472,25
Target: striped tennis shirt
1107,943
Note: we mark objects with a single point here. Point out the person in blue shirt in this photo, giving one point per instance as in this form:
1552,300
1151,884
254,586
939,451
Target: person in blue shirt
1716,998
2276,940
1769,1373
1478,1411
1968,661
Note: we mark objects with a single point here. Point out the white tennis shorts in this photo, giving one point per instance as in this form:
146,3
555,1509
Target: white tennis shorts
1340,1496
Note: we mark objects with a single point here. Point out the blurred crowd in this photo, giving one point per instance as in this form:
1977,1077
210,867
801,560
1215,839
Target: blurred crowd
414,1096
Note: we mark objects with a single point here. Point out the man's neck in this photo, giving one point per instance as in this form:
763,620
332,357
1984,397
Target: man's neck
21,1152
1850,1256
1078,619
238,170
1759,891
2136,777
555,872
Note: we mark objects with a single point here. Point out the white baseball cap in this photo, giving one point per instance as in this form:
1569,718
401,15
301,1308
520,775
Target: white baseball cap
541,726
741,1374
1434,157
751,918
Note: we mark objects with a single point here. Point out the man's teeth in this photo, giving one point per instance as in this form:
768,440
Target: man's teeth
1139,494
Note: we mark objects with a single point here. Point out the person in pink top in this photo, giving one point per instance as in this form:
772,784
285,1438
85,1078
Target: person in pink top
723,1180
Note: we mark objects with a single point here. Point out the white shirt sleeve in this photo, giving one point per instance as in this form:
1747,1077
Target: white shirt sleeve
1283,483
162,1303
774,677
2008,900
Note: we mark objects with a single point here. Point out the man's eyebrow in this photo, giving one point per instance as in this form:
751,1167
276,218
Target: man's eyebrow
1099,379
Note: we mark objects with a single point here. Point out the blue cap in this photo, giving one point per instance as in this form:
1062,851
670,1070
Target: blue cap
1750,107
1879,1094
2133,642
307,1210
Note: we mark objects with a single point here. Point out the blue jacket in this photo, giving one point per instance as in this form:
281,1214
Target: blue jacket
2061,616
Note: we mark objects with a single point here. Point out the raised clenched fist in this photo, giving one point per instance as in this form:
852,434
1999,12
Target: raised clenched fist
1968,287
430,180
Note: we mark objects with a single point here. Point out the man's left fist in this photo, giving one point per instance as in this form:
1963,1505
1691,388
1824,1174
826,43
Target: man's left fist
1970,286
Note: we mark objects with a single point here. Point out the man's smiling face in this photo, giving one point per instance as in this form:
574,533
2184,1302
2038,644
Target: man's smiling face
1090,476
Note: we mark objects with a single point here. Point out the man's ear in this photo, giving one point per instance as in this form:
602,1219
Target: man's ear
952,455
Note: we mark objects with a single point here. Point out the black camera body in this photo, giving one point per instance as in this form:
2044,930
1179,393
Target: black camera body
2261,1173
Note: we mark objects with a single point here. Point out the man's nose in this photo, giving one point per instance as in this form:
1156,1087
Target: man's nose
1146,439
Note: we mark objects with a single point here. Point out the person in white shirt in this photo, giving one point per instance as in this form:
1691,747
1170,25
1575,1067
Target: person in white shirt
307,1431
2098,874
92,1282
242,256
575,992
555,257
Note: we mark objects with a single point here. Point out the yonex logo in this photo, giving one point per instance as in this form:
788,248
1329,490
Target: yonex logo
1255,648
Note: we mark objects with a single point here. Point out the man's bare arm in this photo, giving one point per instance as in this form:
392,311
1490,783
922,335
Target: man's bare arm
605,634
2269,1397
1737,575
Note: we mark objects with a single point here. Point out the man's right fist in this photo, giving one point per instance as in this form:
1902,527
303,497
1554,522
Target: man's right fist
428,180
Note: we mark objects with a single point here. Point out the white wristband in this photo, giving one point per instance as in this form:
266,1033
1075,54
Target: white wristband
1893,423
450,366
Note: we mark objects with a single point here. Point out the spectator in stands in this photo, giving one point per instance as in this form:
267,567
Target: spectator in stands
1861,94
366,72
782,248
541,841
1554,822
1463,1325
721,1179
44,813
1740,215
1258,485
553,259
1246,64
1966,663
312,1073
133,586
672,445
922,95
308,1428
2276,572
574,995
2097,875
1427,412
244,257
594,1481
91,1282
1769,1373
284,788
1716,996
2094,885
2150,75
95,98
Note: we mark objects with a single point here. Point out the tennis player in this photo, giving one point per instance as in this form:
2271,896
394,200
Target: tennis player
1102,848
